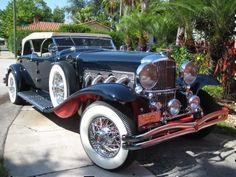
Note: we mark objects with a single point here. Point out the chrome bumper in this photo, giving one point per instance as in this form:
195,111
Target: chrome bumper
172,130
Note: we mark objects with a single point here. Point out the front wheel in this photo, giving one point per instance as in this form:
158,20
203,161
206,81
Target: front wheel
101,130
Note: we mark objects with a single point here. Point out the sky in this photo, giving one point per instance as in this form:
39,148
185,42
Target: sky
51,3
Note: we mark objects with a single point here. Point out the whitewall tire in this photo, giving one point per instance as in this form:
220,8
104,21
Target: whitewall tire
101,130
13,89
58,85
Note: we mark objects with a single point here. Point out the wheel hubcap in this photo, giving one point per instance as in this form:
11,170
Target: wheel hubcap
12,88
58,88
104,137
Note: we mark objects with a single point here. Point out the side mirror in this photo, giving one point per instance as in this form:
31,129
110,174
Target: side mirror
52,48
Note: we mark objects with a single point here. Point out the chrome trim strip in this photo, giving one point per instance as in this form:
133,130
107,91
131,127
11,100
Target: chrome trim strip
146,139
153,58
161,91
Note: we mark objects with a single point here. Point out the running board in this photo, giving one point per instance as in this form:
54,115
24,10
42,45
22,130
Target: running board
39,100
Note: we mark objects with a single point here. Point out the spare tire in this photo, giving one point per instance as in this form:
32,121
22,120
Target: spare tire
62,82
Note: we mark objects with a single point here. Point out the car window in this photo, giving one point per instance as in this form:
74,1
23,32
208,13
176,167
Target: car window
27,48
37,44
44,48
100,42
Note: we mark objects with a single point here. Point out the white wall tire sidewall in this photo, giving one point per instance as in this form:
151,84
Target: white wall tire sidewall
12,96
88,116
57,69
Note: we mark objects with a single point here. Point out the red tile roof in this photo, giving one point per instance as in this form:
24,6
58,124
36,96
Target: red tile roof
42,26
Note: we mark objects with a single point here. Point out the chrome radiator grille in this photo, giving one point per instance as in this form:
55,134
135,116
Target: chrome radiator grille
167,74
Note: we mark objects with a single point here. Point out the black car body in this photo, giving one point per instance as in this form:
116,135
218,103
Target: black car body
126,100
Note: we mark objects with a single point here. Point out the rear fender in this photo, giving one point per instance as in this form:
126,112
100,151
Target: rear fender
109,92
16,70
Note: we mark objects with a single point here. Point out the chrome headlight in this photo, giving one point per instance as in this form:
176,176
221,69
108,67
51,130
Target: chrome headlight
174,106
188,72
148,75
194,102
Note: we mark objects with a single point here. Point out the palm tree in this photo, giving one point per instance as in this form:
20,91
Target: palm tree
139,24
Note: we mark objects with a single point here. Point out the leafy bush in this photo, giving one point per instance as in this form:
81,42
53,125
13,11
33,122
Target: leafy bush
3,171
214,90
202,63
180,55
20,34
74,28
118,37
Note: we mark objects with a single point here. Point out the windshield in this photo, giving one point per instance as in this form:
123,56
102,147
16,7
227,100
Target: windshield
83,42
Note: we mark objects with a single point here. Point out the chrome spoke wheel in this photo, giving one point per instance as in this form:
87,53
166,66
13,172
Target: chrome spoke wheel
104,137
58,85
58,88
12,87
101,130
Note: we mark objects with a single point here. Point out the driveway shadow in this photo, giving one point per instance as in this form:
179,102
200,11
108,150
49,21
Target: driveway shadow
212,156
71,123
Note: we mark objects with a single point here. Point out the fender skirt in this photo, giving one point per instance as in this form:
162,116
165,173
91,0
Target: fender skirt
110,92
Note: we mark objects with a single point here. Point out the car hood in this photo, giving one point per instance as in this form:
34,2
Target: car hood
116,60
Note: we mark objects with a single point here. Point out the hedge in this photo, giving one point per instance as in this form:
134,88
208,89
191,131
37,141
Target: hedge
74,28
20,34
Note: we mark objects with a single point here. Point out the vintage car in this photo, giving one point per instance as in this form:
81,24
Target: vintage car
126,101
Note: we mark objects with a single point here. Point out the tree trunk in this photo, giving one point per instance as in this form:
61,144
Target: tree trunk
121,7
142,43
180,37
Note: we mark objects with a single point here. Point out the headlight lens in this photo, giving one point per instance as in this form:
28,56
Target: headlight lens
148,75
194,102
188,72
174,106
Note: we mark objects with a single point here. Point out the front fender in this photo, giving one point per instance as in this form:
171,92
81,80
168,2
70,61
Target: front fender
110,92
203,80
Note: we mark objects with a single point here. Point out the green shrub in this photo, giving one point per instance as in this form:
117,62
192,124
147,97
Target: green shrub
118,37
214,90
20,34
3,171
202,63
74,28
180,55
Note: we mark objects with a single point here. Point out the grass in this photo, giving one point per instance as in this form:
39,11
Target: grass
3,171
225,128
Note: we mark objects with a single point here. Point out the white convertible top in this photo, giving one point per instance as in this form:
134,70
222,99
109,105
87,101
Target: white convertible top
44,35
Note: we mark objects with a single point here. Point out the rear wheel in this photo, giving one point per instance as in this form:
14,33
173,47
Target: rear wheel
13,89
101,130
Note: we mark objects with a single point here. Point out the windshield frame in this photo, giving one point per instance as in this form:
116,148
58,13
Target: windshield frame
73,43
